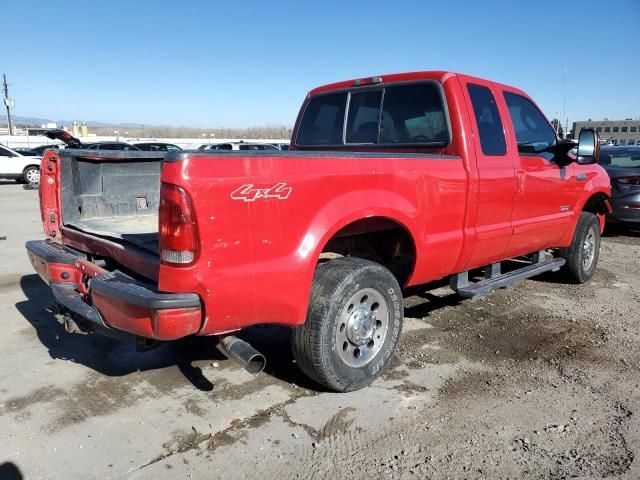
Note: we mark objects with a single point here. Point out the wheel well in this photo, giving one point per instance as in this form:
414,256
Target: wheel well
378,239
28,167
596,204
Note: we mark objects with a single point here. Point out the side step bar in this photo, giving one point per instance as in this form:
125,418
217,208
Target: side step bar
461,285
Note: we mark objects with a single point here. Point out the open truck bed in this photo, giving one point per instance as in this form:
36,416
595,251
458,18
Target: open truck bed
114,195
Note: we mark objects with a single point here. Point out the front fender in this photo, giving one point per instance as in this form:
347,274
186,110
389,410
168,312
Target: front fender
597,184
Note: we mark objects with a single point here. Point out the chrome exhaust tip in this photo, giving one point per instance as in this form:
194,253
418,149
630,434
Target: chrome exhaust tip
243,353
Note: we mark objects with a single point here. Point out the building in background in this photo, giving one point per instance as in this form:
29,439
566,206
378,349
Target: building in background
617,132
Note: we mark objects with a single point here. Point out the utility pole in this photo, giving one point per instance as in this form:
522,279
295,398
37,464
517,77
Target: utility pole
8,103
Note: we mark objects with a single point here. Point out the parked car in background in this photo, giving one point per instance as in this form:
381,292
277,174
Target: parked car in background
111,146
157,147
24,151
35,150
623,166
281,146
237,146
73,142
21,167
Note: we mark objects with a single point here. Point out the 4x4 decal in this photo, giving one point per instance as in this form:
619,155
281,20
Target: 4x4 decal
250,193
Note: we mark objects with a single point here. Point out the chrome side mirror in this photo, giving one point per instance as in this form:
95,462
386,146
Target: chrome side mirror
588,147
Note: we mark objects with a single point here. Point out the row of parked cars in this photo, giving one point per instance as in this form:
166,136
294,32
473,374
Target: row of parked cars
621,163
23,164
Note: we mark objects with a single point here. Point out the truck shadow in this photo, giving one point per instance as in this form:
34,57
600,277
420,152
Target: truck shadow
115,358
616,229
10,471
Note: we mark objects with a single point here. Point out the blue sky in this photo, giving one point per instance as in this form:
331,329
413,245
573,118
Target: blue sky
237,64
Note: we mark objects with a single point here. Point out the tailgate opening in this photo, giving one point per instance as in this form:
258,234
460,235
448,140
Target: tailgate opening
112,194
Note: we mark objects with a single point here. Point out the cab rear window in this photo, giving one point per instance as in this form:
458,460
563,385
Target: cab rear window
395,115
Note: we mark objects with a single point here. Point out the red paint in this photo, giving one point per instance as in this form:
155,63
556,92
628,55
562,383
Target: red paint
168,324
262,222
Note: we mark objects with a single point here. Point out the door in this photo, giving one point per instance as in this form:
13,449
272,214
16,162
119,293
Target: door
8,162
545,192
496,175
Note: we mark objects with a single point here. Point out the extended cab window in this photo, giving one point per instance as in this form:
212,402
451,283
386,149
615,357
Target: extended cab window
410,114
413,114
488,120
534,133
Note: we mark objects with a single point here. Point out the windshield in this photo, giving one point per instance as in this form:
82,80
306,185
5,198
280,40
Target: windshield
627,157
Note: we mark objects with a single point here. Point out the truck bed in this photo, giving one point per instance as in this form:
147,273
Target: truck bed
113,195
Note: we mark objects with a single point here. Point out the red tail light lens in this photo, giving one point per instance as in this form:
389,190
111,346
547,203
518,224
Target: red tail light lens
631,180
177,225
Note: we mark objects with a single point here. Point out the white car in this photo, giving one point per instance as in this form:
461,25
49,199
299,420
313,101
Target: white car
18,166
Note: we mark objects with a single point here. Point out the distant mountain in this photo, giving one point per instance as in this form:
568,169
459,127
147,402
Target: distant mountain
18,120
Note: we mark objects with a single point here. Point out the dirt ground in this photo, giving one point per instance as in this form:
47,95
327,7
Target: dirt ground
537,381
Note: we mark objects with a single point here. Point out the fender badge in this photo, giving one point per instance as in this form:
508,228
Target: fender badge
250,193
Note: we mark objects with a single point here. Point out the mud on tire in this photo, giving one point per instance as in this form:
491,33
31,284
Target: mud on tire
583,253
353,324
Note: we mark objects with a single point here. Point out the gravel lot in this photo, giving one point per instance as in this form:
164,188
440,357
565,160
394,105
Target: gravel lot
538,381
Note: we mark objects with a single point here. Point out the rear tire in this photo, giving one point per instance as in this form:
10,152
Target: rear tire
353,324
31,174
583,253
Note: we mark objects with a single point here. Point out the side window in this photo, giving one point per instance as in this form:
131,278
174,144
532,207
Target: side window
414,114
533,132
323,120
488,120
362,121
4,152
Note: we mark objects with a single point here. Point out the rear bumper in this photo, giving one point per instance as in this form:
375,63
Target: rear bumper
113,300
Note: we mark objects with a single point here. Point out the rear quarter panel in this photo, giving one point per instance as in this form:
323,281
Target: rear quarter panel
258,253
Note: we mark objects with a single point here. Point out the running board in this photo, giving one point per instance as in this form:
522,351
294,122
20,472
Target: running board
473,290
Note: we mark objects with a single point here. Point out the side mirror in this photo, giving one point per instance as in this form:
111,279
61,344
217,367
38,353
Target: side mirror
588,147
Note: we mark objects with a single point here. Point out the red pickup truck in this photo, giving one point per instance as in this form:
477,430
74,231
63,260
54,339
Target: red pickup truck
390,181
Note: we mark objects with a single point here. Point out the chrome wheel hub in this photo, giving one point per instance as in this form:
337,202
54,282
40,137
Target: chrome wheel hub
589,249
362,327
33,176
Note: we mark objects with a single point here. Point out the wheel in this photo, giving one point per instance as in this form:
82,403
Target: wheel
353,324
583,253
31,174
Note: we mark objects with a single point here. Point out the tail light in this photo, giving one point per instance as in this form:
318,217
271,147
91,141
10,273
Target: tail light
177,225
631,180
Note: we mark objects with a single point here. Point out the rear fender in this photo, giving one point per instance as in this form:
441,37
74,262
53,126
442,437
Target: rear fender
333,217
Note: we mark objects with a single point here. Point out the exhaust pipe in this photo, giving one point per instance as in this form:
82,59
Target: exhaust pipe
243,353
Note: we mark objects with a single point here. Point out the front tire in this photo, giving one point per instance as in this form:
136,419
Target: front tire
583,253
353,324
